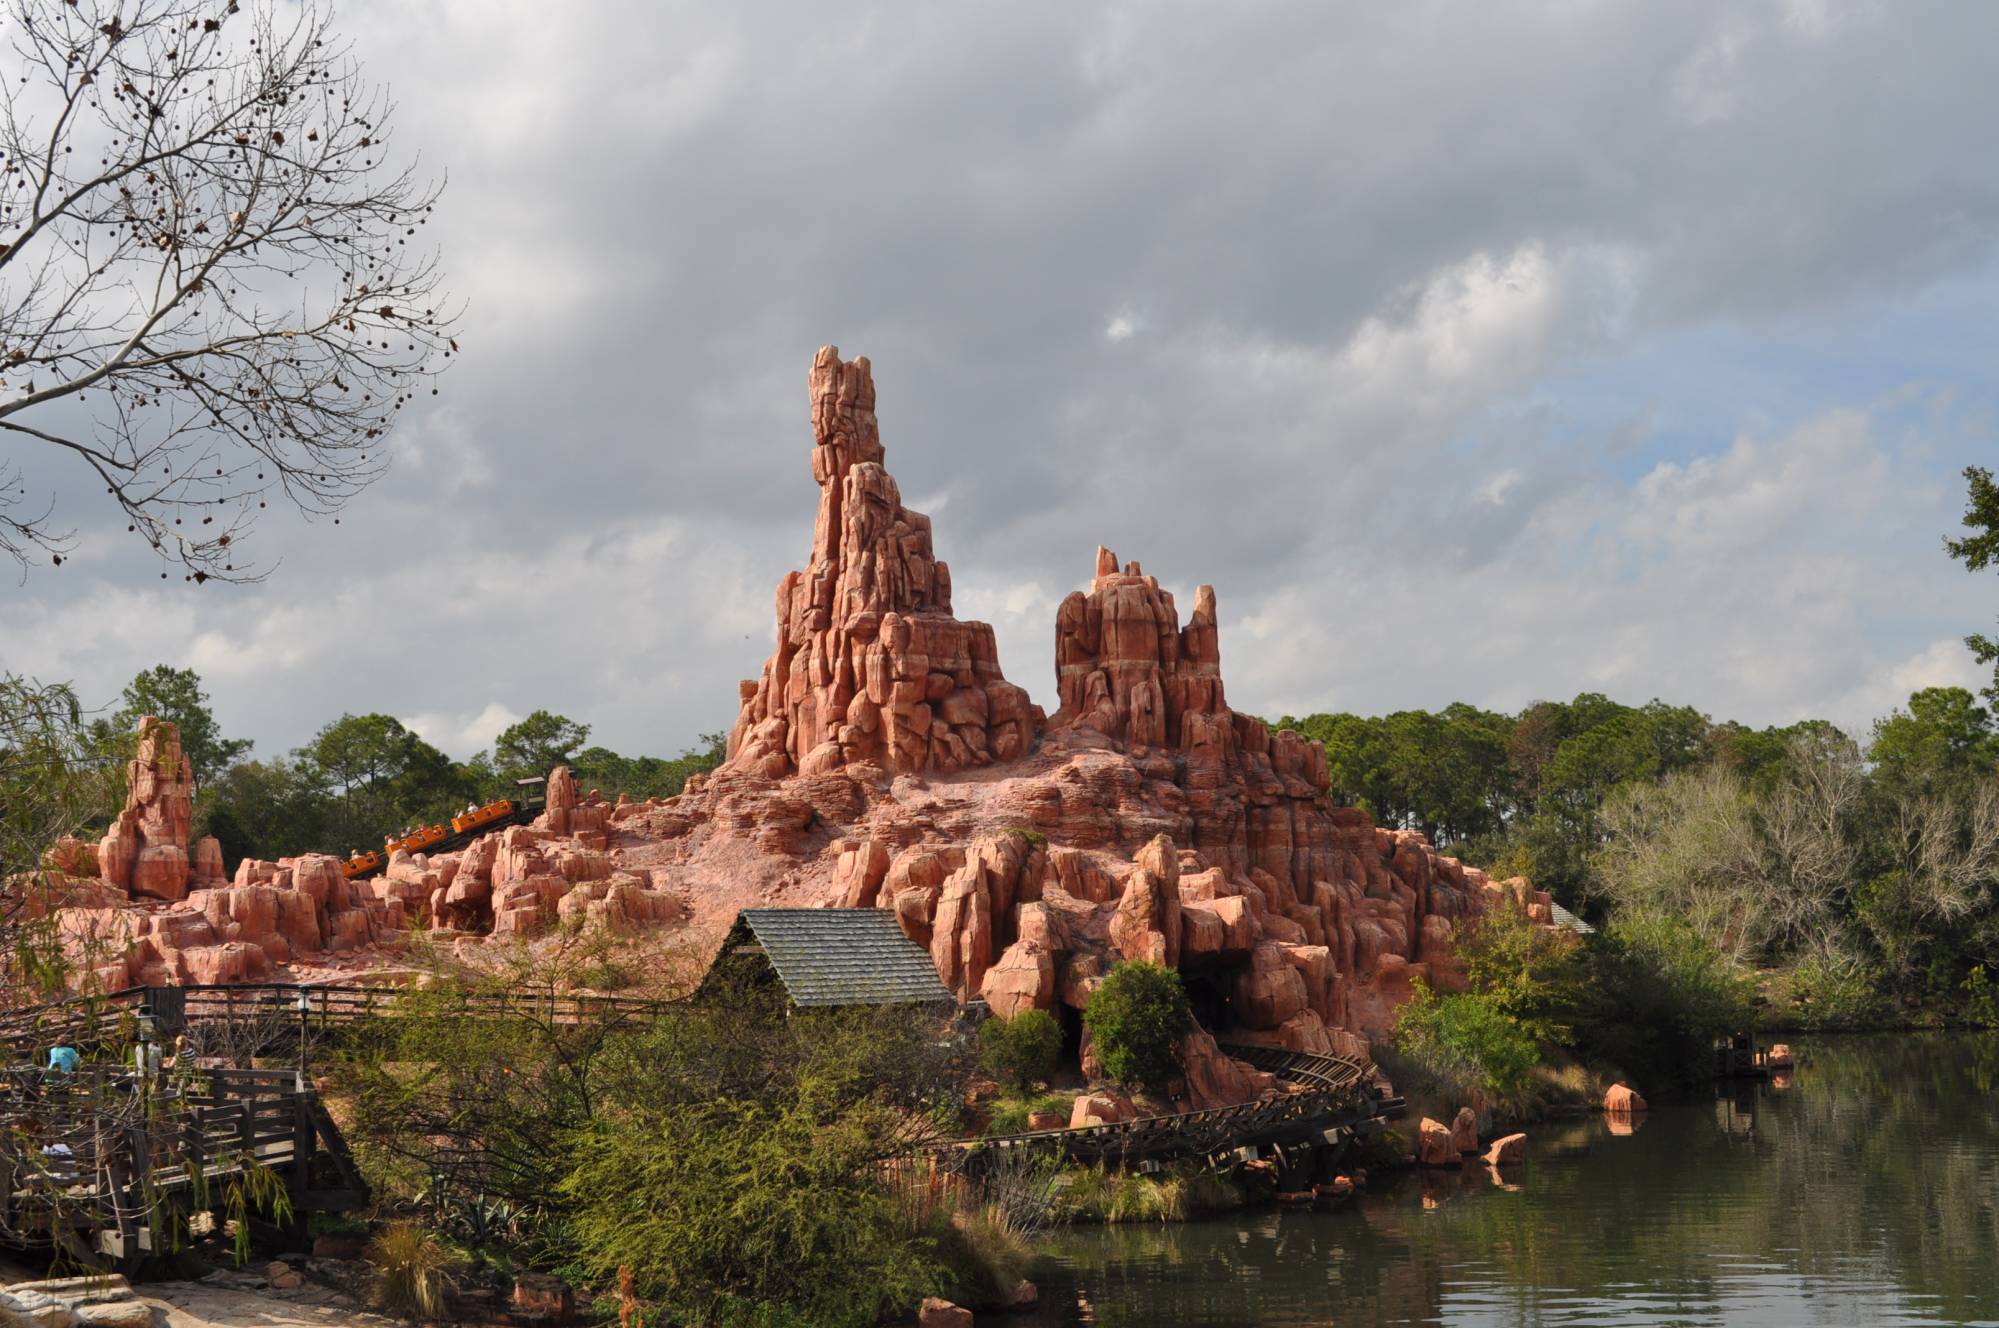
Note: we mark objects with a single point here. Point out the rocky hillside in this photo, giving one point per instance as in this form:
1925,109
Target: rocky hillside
882,760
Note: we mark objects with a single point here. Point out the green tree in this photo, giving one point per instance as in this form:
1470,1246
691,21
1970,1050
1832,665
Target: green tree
177,695
1135,1019
384,776
1943,740
538,744
1020,1050
51,784
273,809
1978,551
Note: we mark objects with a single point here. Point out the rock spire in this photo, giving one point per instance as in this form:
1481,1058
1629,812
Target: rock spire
870,665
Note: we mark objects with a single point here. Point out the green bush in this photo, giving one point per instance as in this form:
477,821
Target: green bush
1825,993
1466,1039
1981,998
1135,1018
741,1212
1661,997
1020,1050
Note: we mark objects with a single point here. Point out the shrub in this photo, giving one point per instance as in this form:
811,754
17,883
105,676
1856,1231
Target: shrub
1531,974
1135,1018
1009,1116
1022,1049
1981,998
1664,995
991,1255
1467,1038
413,1271
1825,992
738,1211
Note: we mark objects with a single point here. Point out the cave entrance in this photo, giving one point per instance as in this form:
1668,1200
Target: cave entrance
1208,997
1071,1020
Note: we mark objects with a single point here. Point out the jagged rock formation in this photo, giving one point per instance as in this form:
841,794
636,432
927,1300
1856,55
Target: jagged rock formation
882,760
145,851
870,664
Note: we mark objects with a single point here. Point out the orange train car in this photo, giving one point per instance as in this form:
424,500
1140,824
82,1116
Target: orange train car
478,816
427,836
416,840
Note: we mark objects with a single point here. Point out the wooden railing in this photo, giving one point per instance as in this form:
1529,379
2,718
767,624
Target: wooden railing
110,1151
95,1021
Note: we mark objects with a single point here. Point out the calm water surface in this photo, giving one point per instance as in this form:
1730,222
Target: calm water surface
1867,1192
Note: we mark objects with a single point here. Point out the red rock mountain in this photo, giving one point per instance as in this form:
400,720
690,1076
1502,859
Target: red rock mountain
882,760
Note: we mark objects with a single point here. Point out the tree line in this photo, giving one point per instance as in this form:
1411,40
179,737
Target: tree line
359,778
1866,869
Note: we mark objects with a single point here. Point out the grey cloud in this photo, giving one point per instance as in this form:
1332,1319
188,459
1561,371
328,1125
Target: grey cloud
656,213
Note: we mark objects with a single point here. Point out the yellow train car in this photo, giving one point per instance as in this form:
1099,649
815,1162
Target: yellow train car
478,816
360,864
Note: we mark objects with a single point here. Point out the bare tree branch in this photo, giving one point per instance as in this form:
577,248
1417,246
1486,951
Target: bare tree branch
203,246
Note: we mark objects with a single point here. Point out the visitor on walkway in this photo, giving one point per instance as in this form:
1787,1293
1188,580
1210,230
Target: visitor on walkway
63,1057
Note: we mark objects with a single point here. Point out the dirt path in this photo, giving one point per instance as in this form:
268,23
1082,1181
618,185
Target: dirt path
193,1305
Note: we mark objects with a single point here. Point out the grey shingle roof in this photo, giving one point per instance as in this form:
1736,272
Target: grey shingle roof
1564,918
845,956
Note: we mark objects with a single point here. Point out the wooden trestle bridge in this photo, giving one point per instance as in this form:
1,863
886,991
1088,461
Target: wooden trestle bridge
1333,1100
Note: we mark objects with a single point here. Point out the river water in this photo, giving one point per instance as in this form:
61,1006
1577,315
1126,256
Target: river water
1866,1192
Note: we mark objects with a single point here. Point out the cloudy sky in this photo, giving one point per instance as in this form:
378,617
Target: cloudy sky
1473,352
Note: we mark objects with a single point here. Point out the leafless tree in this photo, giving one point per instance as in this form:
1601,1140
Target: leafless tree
212,287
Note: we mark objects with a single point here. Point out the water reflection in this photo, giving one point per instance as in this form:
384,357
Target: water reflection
1863,1191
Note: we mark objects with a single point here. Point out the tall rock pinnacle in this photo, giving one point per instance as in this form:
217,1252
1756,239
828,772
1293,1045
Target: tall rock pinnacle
870,665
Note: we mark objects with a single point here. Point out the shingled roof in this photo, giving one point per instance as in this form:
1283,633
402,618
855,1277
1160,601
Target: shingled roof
1564,918
841,956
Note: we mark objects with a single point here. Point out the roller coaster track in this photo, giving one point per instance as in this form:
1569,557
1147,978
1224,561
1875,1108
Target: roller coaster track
1338,1096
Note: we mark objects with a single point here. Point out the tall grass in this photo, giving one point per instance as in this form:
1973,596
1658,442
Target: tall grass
413,1271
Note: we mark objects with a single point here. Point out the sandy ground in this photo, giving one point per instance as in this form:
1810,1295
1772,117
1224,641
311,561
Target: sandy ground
193,1305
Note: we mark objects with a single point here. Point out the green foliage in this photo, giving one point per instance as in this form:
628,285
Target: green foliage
1009,1115
1135,1017
1466,1039
384,777
1978,551
537,744
1663,995
1830,992
729,1155
1533,976
648,776
177,695
1944,740
724,1209
1981,998
1020,1050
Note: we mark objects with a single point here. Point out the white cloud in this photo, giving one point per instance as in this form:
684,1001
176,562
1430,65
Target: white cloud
1121,328
462,735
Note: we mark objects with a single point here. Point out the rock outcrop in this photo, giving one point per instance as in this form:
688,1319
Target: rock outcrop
145,850
870,664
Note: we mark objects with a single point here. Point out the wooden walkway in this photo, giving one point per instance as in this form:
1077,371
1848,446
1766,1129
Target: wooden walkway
103,1161
1338,1096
